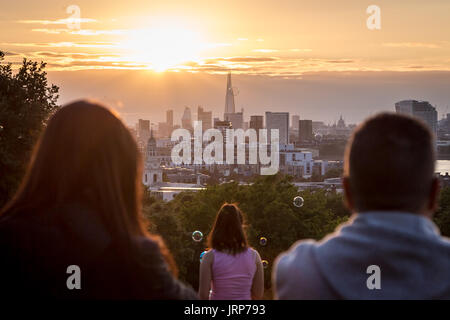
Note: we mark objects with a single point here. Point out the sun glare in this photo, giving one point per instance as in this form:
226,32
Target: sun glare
162,48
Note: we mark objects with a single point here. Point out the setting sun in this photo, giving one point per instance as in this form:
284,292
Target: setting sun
162,48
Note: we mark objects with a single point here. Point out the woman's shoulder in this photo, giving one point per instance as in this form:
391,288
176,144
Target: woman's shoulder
209,255
148,245
254,253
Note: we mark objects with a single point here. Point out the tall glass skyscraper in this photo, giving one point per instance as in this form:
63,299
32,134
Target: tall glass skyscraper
420,109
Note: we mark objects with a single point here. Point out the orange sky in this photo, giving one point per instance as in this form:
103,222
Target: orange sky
276,39
284,38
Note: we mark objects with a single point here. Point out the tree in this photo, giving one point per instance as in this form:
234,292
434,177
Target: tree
333,173
267,204
442,216
26,103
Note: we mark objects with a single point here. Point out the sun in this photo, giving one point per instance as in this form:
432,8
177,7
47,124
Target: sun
163,47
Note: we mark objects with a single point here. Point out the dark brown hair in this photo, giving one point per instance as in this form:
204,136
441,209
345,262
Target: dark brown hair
228,233
389,163
87,155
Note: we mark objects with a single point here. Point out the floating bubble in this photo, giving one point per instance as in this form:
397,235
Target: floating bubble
265,264
197,236
298,201
263,241
201,255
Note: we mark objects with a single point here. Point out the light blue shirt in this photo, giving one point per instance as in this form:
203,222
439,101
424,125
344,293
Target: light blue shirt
413,260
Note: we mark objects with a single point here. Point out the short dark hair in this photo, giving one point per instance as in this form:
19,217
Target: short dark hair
389,163
228,233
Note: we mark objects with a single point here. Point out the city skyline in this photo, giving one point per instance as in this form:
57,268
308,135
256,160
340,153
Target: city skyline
314,60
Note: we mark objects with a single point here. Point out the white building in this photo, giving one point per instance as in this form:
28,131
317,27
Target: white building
295,162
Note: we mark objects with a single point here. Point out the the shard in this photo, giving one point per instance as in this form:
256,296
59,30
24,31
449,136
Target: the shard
229,98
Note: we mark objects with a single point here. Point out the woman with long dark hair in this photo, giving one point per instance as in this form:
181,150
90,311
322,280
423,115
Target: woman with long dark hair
78,209
231,270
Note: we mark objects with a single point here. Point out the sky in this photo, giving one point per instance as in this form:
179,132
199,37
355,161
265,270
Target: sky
316,59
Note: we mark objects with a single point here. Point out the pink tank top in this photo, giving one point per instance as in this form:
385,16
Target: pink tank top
232,276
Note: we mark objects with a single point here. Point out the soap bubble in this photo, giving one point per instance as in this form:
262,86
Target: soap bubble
263,241
201,255
197,236
265,264
298,201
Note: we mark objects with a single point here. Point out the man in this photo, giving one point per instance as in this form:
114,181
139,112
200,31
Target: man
390,248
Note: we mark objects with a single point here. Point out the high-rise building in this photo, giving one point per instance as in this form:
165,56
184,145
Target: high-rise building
205,117
280,121
169,118
305,132
222,126
186,120
229,97
143,129
420,109
256,122
236,119
295,120
230,114
165,128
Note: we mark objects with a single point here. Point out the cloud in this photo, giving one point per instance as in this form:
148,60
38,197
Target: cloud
59,57
411,45
340,61
68,55
10,53
83,32
300,50
62,44
265,50
58,21
241,59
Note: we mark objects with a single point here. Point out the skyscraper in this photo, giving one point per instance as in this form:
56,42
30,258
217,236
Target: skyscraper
205,117
229,98
169,118
186,120
143,129
237,119
305,132
256,122
295,121
280,121
420,109
165,128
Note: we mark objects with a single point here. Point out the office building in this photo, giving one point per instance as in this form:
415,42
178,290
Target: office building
419,109
205,117
280,121
305,132
186,120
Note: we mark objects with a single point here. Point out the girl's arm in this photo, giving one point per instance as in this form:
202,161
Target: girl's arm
205,275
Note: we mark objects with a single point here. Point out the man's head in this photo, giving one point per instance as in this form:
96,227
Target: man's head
389,165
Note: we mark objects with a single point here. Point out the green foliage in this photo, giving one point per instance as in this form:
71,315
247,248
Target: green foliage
269,210
26,102
333,173
442,216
